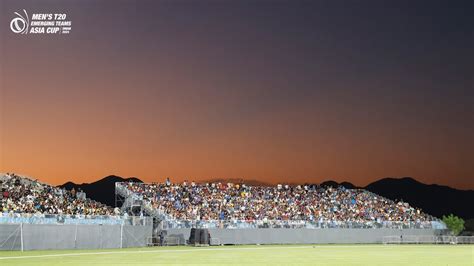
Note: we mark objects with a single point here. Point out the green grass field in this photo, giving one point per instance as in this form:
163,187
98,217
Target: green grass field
253,255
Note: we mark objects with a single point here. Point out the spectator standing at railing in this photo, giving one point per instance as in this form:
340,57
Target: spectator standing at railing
162,237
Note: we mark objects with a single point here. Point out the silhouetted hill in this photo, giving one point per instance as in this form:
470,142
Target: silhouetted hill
433,199
331,183
102,190
347,185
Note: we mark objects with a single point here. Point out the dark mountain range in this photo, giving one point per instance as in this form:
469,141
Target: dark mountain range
433,199
102,190
332,183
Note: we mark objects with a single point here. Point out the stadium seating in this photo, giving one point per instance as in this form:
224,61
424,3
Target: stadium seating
288,206
21,195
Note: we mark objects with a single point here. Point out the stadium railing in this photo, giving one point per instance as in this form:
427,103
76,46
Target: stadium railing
243,224
28,218
428,239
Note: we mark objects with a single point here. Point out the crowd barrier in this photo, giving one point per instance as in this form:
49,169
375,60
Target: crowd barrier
72,236
298,224
428,239
43,231
299,235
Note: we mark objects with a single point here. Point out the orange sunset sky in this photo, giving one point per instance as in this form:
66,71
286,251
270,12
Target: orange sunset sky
280,93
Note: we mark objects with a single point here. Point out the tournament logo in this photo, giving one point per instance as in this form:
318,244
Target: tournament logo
20,23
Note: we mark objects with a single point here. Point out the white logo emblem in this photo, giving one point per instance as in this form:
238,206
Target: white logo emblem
20,23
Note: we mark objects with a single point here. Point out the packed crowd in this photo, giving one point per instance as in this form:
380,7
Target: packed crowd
23,195
216,202
227,201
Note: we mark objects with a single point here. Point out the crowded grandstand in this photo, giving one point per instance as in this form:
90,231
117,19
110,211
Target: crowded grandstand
23,195
25,200
167,213
220,204
229,205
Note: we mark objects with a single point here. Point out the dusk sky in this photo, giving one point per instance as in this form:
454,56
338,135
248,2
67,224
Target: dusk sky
278,91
